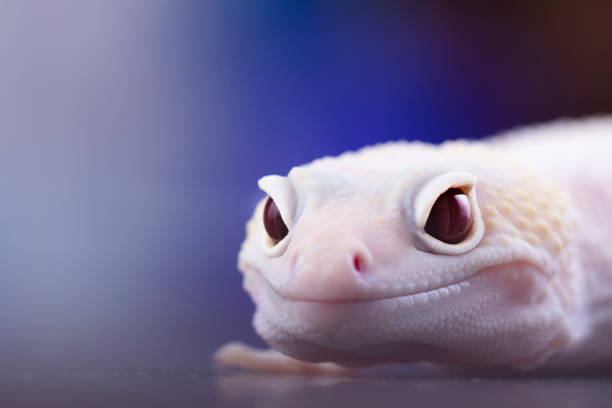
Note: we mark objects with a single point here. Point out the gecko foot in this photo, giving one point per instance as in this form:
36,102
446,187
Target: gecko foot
243,356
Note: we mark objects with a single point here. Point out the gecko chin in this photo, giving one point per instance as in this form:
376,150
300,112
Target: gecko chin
504,314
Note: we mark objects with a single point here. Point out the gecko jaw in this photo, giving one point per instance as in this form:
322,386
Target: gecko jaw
354,326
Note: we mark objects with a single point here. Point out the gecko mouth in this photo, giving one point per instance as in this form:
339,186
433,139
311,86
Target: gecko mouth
256,283
417,297
258,286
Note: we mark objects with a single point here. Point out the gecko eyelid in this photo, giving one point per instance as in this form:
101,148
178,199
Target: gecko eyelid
278,213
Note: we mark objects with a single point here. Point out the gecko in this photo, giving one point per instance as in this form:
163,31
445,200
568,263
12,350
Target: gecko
489,253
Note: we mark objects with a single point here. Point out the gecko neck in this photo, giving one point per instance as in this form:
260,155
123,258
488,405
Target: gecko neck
580,166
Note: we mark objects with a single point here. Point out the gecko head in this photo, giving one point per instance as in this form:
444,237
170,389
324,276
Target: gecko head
406,252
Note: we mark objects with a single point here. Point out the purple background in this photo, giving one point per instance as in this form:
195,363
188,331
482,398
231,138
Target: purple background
132,135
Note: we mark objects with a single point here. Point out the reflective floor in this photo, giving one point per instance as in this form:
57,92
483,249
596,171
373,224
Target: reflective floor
146,389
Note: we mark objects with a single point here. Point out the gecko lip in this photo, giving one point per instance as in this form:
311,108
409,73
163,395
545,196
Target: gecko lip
417,297
414,297
422,296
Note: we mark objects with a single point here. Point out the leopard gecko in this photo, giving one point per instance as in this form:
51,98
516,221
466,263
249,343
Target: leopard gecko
492,253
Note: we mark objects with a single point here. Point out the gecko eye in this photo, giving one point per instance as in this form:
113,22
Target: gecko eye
273,222
450,218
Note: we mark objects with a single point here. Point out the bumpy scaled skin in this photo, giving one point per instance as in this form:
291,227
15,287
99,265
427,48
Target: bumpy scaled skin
357,281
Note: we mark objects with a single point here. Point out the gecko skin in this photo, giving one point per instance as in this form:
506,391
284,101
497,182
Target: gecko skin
358,280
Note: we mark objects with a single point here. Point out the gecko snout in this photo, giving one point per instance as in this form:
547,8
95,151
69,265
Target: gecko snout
329,272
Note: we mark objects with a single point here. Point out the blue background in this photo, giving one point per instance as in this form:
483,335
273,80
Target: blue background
132,135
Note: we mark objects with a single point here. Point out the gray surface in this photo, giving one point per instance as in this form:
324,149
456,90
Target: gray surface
146,389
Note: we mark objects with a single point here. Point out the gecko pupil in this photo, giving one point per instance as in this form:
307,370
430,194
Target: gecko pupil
273,222
450,217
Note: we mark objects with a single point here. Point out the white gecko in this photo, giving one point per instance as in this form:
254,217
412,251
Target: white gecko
487,254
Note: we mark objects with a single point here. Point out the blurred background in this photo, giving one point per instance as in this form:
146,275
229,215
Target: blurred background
132,135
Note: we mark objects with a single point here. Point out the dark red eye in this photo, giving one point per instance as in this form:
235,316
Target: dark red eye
273,222
450,217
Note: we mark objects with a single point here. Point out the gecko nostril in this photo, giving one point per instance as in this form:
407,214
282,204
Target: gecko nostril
357,263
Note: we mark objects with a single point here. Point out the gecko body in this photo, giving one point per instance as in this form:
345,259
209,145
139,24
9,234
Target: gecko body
489,253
